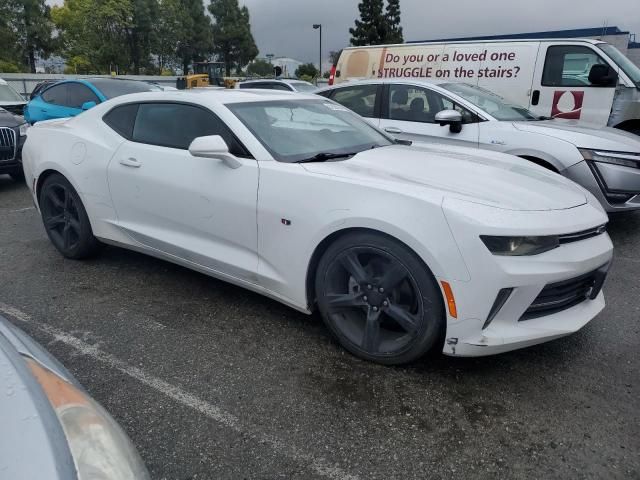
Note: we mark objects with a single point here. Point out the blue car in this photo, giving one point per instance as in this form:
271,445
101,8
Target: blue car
68,98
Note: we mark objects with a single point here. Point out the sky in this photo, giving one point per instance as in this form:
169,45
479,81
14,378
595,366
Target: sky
284,27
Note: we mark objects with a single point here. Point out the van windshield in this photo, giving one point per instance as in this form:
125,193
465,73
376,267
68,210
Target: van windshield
622,61
491,103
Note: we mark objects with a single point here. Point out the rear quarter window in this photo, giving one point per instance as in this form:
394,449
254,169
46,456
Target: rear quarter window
122,119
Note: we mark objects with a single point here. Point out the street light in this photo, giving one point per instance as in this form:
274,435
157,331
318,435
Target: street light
317,26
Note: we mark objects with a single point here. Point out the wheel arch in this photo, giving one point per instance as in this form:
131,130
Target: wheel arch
541,162
322,247
41,179
631,126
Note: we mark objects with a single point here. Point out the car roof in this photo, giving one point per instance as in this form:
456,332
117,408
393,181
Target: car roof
215,96
378,81
281,80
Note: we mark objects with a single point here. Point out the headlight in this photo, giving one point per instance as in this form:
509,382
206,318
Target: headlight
23,129
100,449
616,158
520,246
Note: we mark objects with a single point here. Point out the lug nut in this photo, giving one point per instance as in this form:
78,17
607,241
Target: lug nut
369,287
365,298
385,303
381,290
375,309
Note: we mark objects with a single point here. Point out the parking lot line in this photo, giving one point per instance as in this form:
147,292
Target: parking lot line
21,210
318,464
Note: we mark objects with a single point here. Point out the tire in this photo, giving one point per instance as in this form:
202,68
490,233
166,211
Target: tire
17,175
379,300
65,219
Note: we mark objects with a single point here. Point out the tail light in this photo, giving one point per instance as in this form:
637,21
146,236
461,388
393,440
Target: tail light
332,75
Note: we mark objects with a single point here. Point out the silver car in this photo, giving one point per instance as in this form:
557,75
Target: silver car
50,427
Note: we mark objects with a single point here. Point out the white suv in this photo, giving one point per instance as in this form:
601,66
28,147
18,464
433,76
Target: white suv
605,161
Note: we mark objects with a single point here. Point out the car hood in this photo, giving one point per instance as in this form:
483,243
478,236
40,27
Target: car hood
479,176
8,119
583,135
32,441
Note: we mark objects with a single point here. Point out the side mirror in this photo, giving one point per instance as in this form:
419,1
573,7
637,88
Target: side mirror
88,105
452,118
213,146
603,76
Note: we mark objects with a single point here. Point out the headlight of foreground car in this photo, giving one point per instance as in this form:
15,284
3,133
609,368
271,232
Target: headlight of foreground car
616,158
520,246
100,449
23,129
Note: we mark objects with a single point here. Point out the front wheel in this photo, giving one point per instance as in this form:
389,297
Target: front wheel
379,299
65,219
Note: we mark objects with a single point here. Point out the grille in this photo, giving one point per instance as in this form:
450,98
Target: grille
7,144
560,296
583,235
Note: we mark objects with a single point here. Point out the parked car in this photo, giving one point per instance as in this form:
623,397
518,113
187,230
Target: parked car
285,84
404,249
575,79
71,97
40,86
604,160
13,133
11,100
51,427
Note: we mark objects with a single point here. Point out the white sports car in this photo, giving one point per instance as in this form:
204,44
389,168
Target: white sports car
404,249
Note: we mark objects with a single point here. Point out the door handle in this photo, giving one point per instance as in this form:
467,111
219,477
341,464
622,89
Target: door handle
535,97
130,162
393,130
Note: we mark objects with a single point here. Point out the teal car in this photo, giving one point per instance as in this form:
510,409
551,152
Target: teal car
68,98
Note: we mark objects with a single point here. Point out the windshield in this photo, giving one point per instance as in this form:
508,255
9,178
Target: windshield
303,86
8,94
491,103
295,130
622,61
112,87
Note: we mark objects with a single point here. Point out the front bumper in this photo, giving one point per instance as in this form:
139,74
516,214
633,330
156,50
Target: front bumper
617,188
527,276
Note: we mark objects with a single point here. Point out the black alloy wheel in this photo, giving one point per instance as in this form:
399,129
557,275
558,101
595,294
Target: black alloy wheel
379,299
65,219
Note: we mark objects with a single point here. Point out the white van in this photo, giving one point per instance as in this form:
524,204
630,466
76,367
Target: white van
587,80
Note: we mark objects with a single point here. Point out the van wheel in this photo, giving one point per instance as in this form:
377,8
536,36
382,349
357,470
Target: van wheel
379,300
65,219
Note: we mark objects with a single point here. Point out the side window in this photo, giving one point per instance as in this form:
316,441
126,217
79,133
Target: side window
175,125
569,66
57,95
122,119
361,99
415,104
78,94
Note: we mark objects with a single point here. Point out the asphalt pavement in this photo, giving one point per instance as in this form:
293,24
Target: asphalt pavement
214,382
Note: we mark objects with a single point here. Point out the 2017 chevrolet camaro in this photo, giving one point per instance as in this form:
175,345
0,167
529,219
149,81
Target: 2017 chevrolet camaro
404,249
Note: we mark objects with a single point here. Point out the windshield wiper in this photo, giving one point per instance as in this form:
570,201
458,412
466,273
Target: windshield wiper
324,156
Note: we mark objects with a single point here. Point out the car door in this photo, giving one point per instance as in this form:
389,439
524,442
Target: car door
50,104
195,209
561,85
78,94
408,113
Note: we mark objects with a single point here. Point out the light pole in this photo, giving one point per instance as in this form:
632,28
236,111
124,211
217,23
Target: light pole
317,26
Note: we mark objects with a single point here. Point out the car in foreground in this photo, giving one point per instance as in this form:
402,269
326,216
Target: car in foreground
11,100
51,427
284,84
13,133
404,249
69,98
604,160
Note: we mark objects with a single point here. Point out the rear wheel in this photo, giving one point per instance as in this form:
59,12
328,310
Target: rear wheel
65,219
379,299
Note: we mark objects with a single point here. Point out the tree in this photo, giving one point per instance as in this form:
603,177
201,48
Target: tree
334,56
233,42
260,68
308,70
194,35
393,27
141,31
370,29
